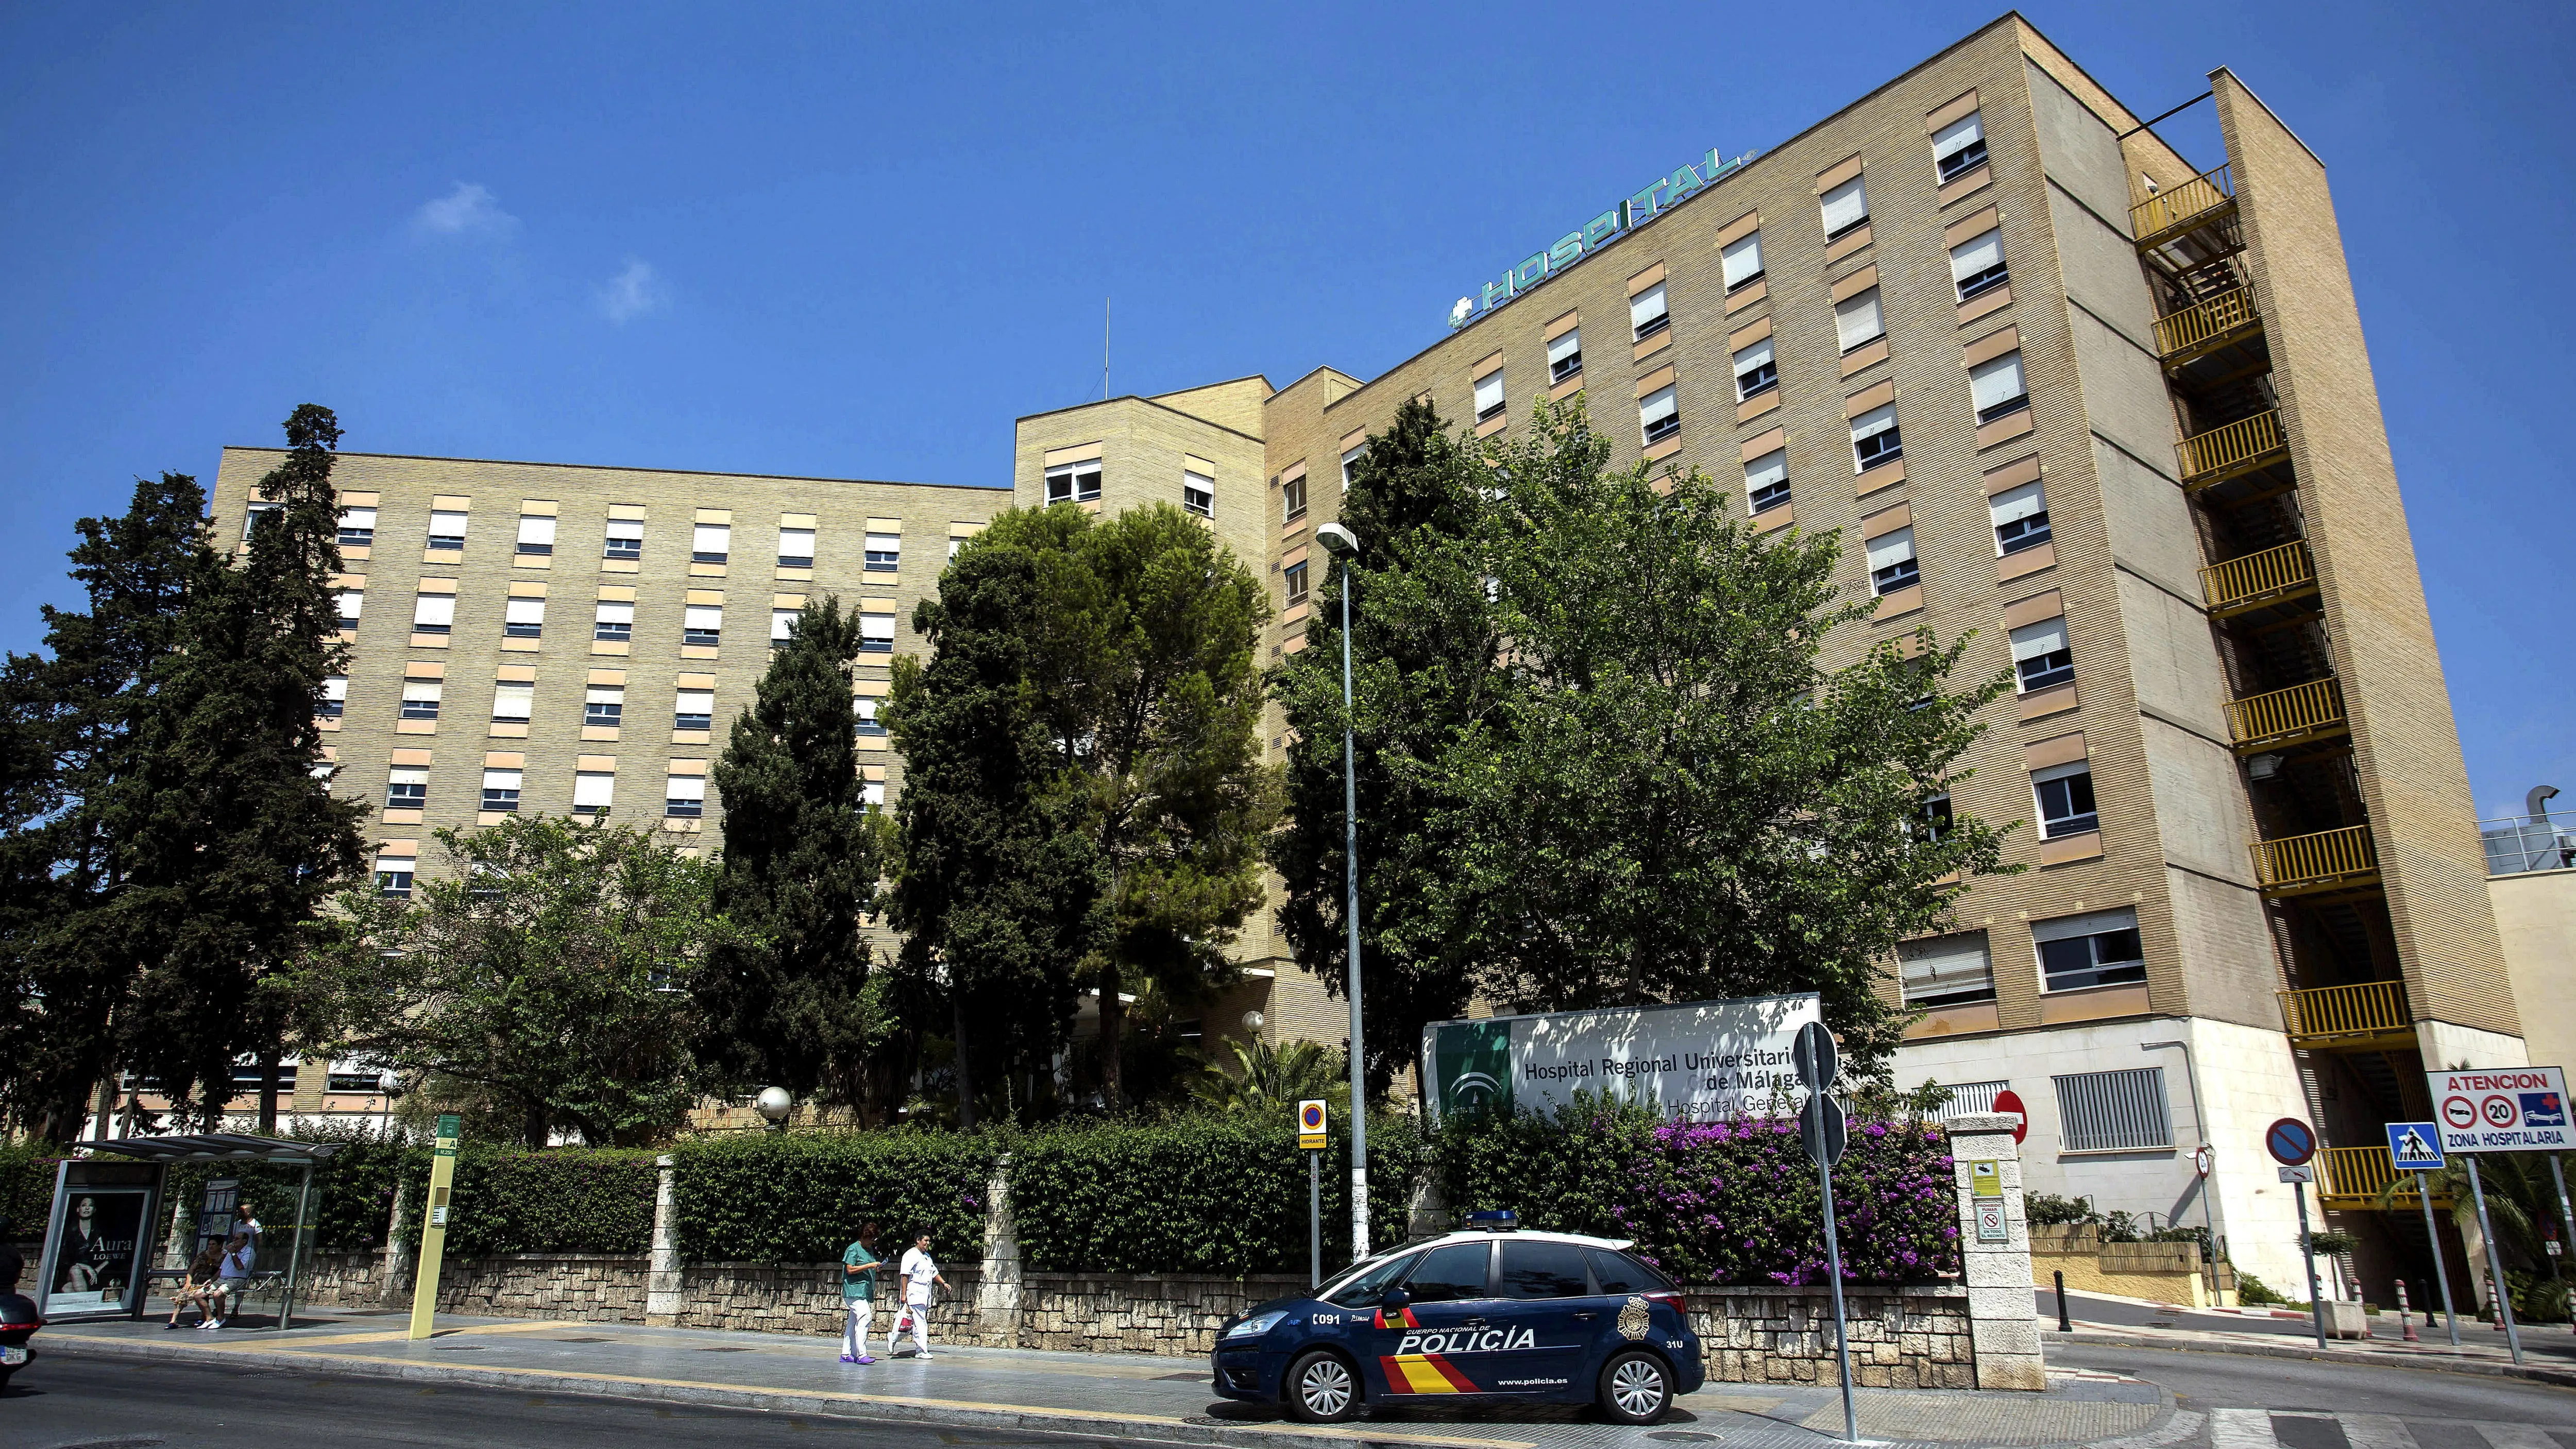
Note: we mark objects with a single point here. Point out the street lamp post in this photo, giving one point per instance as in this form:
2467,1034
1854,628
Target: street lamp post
1341,543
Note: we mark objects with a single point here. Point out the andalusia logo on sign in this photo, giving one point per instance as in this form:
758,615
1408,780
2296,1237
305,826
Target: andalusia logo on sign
1472,1065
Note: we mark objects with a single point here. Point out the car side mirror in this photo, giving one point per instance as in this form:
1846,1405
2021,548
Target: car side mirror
1395,1298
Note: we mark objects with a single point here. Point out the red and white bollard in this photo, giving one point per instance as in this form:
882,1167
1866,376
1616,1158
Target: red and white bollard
2403,1322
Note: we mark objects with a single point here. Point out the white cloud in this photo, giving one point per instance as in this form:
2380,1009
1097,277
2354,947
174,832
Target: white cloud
632,293
468,210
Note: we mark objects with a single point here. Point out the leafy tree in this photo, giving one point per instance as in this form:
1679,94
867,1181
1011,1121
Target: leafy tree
783,999
1267,1076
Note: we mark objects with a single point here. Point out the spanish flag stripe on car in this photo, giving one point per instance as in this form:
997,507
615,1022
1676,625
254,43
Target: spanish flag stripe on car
1403,1319
1424,1373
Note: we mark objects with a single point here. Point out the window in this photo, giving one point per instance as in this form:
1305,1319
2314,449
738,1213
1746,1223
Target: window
1489,396
796,548
335,697
393,876
1073,482
876,633
251,518
1977,264
2021,517
1294,577
1451,1273
711,543
536,534
1932,818
446,531
1947,970
1659,414
1369,1283
1766,480
1858,320
1756,371
873,793
604,707
955,544
1959,147
1743,261
2065,799
593,791
1536,1268
2099,949
695,709
625,539
1647,313
501,790
684,797
2121,1111
1875,438
433,613
2041,656
1565,356
407,788
1616,1272
1846,208
357,527
420,699
782,624
1351,465
614,623
863,708
702,624
1891,561
1292,498
1198,494
1997,388
352,603
885,553
523,618
513,703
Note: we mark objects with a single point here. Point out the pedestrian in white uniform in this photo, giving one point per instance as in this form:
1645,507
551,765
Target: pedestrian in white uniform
919,1272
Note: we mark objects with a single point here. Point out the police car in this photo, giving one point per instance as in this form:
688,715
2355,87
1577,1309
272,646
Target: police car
1492,1312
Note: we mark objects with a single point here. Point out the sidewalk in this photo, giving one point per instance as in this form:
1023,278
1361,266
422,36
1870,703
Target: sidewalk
1124,1395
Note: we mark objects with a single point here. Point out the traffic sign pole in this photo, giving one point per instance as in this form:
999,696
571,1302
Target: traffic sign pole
2308,1255
1818,1062
2441,1271
2495,1265
2558,1175
1314,1220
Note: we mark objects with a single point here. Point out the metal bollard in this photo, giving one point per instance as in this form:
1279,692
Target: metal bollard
2064,1324
2404,1323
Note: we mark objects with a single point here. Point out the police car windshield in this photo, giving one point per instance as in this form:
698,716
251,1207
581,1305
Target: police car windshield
1365,1284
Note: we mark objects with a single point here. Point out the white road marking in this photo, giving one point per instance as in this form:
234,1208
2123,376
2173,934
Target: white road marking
2246,1429
2516,1436
2376,1431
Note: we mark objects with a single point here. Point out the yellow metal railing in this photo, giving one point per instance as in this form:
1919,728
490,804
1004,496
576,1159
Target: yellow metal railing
2299,709
2355,1177
2193,326
2370,1008
2170,208
2274,570
2305,862
2230,446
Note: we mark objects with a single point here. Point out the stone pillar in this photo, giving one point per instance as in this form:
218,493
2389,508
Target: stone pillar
662,1280
997,1296
2003,1318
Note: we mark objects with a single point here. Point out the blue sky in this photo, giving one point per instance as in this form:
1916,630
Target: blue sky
848,241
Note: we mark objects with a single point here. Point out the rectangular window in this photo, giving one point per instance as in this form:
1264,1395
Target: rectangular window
251,518
1845,208
513,703
357,527
1766,480
593,791
2122,1111
863,709
523,618
1756,371
1959,147
420,699
501,789
446,531
1489,396
2097,949
604,707
2065,795
1647,313
1198,494
407,788
2041,656
873,793
335,696
684,797
1977,264
782,624
393,876
702,624
796,548
1292,498
1351,466
1659,414
1294,577
695,709
1565,356
1997,388
1858,320
614,623
536,534
1891,561
1875,438
876,633
433,613
624,540
2021,517
711,543
1932,818
885,553
1947,970
352,602
1073,482
1743,261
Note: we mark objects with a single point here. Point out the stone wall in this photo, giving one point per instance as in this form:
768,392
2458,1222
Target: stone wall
1901,1338
1162,1313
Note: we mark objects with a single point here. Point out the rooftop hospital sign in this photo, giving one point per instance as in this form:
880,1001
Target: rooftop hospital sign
1609,226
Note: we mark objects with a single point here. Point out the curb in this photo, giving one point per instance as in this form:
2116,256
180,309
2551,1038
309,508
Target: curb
2433,1363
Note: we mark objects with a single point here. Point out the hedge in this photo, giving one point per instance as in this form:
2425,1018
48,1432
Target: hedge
26,1190
511,1200
797,1197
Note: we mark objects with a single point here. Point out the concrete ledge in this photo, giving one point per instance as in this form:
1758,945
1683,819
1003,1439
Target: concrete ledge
2433,1362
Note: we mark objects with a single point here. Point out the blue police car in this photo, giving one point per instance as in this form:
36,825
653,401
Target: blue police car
1491,1312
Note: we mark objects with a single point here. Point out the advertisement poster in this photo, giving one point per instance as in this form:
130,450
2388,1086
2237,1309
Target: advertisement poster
94,1264
1697,1061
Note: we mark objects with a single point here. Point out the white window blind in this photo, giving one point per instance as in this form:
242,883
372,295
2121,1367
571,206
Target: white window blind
1743,260
1763,474
2017,503
593,791
1890,549
433,611
1563,348
513,702
605,694
444,524
626,528
1976,255
1947,970
524,611
1646,309
1858,320
396,864
335,688
352,601
873,792
501,780
408,775
695,701
358,518
714,538
886,546
2121,1111
782,623
1993,384
1872,423
1489,393
799,543
1350,465
536,529
2030,641
864,707
876,626
702,616
610,613
425,690
1845,207
1656,406
1748,369
1956,137
685,787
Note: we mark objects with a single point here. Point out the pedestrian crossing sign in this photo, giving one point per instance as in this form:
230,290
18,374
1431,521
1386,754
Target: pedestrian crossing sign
2415,1146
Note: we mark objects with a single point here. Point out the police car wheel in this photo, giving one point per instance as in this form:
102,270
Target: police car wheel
1636,1388
1322,1389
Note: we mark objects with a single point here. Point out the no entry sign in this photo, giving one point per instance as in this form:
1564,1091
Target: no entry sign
2501,1109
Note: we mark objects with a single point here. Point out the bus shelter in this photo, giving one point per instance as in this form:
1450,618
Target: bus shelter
99,1238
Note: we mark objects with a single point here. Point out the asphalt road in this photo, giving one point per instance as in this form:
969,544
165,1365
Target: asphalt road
92,1403
2432,1402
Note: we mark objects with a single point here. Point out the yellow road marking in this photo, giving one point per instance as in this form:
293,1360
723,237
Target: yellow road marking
377,1336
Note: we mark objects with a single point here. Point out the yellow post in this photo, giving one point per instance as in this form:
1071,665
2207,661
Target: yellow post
433,1230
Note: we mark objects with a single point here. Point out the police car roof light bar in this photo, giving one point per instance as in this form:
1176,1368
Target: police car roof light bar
1495,1220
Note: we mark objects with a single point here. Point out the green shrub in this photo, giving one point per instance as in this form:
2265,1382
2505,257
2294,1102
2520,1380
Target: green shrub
510,1200
26,1190
800,1197
2253,1293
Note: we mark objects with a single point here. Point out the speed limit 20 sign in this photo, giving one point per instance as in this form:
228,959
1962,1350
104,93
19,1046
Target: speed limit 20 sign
2501,1109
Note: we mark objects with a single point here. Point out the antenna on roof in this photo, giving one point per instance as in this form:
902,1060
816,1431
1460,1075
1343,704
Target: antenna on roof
1104,348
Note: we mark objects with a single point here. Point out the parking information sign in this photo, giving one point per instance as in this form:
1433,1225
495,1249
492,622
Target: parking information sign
2501,1109
2415,1146
1310,1125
